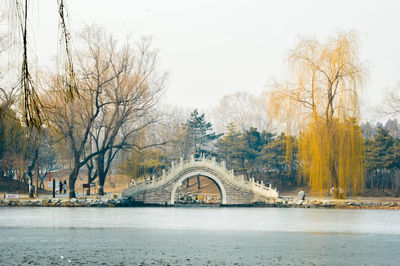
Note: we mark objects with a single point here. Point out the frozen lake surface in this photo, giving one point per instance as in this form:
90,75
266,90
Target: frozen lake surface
199,236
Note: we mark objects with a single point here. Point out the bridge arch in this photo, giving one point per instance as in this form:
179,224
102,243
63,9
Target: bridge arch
234,190
203,172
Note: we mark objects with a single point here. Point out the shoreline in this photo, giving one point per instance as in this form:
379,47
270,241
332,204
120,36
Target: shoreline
114,201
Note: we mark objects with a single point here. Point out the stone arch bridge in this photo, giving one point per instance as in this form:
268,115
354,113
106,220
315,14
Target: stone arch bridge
234,190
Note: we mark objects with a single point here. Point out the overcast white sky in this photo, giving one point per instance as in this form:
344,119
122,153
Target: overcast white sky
212,48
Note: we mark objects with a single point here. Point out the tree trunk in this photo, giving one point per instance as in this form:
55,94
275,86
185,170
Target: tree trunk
89,176
102,179
1,172
198,182
101,173
37,187
30,176
335,180
72,179
30,170
31,190
37,183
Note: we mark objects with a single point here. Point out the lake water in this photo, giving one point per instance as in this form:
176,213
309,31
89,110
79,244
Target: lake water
199,236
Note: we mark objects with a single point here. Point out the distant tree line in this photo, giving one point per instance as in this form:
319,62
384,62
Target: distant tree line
264,155
369,131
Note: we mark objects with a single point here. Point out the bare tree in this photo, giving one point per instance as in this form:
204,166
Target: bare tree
392,100
243,110
74,119
134,95
117,87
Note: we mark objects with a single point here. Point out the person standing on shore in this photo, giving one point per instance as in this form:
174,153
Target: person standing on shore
60,186
65,186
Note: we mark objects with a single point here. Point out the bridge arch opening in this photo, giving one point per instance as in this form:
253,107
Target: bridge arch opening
198,190
182,194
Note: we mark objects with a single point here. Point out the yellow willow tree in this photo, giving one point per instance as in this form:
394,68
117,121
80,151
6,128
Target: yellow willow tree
319,103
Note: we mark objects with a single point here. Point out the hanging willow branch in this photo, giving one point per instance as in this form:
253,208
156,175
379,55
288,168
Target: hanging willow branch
30,100
70,81
30,103
319,103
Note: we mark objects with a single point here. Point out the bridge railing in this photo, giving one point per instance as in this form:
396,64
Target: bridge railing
228,175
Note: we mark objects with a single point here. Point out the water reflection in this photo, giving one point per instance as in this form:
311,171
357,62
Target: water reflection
228,219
